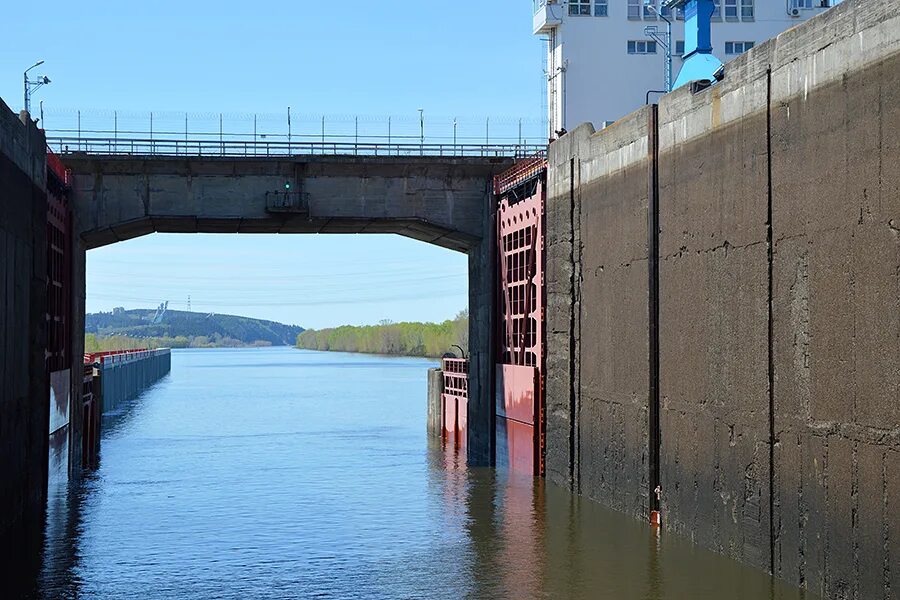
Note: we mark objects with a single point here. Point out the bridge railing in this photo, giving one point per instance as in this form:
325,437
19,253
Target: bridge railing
240,148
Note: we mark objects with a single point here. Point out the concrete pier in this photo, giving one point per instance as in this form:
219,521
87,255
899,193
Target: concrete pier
435,389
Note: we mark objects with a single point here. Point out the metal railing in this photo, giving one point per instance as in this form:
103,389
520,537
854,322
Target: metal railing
242,148
523,169
121,356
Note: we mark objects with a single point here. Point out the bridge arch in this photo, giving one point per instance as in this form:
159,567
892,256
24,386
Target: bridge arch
446,201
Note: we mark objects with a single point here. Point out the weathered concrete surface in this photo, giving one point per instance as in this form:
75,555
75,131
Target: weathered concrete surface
835,123
562,282
779,305
443,201
24,407
597,345
439,201
713,178
435,389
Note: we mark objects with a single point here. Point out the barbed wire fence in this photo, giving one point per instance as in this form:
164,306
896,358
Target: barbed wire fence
290,126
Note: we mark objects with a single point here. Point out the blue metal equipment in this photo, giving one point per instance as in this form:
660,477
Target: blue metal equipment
699,62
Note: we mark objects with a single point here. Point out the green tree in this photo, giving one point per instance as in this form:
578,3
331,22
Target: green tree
407,339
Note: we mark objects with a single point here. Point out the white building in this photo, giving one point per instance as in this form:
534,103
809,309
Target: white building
601,61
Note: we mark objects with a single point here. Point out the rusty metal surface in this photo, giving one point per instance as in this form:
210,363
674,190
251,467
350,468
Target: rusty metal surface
533,166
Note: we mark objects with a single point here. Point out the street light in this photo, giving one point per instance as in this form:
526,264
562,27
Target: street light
33,85
667,43
421,130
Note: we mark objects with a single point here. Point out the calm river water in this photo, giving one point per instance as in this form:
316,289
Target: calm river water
280,473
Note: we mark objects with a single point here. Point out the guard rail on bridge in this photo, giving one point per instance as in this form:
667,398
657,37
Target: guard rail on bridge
240,148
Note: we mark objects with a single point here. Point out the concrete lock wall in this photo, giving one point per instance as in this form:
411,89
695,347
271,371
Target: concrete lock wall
779,307
24,408
121,381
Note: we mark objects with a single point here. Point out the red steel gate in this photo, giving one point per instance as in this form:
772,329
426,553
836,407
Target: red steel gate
455,402
519,401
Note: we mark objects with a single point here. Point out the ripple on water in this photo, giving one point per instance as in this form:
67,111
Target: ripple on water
277,473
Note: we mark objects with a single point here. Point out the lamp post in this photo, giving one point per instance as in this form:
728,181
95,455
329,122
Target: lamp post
667,43
33,85
421,131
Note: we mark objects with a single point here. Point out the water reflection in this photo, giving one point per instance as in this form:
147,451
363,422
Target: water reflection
530,539
304,474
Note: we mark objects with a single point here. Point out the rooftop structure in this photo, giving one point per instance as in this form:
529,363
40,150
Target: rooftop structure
604,56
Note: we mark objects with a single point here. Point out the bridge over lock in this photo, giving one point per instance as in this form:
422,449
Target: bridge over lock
441,194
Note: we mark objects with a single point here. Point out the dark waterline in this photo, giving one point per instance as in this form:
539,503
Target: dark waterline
280,473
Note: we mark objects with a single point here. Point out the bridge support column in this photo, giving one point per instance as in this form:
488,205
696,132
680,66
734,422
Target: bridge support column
480,442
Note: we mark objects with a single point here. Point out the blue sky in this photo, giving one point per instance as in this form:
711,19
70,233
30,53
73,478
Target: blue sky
356,57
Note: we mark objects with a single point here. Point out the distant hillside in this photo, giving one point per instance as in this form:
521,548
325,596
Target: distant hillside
178,323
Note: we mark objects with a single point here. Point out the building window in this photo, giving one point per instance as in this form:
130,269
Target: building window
665,11
580,8
747,10
649,10
634,9
810,4
731,10
717,10
737,47
679,48
641,47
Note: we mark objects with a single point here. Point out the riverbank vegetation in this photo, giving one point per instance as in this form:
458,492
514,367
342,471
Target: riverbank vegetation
101,343
402,339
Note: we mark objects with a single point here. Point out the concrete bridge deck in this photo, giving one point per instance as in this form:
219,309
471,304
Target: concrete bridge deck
446,200
439,200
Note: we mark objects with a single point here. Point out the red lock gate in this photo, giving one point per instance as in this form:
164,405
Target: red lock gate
519,400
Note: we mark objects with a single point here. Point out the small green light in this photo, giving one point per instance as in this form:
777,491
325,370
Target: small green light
287,185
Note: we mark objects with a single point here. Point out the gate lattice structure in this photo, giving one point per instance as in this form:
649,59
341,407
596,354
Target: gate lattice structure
455,401
519,402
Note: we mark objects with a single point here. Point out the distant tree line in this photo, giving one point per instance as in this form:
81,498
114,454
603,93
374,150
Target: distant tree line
403,339
102,343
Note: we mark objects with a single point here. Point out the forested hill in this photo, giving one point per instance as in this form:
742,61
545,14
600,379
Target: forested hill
182,324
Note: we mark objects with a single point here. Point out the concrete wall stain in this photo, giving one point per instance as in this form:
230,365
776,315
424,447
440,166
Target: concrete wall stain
779,307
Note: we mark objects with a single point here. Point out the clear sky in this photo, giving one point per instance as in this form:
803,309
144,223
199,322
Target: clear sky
355,57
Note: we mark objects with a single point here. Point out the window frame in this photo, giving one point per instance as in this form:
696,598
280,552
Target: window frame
641,47
729,6
635,4
738,47
577,8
